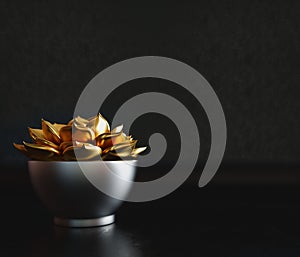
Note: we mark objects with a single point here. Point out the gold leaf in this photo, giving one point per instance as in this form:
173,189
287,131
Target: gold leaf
121,148
65,133
50,132
99,124
58,126
81,153
108,139
41,152
83,134
117,129
38,137
137,151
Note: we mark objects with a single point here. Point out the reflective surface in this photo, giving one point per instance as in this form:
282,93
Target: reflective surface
67,193
108,241
84,223
241,220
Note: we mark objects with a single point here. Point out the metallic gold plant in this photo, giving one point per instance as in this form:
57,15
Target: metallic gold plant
80,139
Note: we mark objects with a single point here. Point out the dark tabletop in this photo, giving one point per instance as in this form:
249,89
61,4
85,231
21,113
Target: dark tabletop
221,219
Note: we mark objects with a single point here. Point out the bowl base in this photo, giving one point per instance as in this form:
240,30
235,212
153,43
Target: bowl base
84,223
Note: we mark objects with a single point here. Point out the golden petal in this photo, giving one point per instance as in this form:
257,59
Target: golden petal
21,148
68,154
65,145
81,153
50,132
119,139
108,135
58,126
65,133
137,151
38,137
117,129
99,124
70,122
36,133
108,139
40,152
83,134
30,147
104,140
81,121
121,147
77,143
36,156
46,142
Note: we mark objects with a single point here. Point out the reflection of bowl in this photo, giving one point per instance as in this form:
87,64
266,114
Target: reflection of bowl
69,195
107,241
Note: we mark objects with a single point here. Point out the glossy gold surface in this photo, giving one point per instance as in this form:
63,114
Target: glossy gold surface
81,153
65,133
99,124
82,133
50,132
38,137
79,139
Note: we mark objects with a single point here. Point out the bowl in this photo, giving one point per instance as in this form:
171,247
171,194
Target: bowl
72,198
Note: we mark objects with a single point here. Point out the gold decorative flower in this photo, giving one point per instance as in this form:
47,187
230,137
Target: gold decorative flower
80,139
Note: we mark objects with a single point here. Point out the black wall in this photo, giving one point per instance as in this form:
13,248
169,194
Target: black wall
247,50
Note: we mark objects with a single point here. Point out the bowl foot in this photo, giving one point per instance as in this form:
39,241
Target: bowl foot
83,223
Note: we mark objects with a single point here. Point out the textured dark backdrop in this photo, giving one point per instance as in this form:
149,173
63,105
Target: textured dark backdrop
248,51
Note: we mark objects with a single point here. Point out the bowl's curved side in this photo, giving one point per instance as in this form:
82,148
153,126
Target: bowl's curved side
67,193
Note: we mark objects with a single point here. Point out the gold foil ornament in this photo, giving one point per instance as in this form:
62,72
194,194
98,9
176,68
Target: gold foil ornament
80,139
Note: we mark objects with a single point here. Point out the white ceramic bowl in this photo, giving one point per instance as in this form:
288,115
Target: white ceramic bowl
68,194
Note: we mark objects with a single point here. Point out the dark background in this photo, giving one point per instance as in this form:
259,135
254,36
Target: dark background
247,50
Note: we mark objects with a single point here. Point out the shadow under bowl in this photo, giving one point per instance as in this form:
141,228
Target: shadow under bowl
72,198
